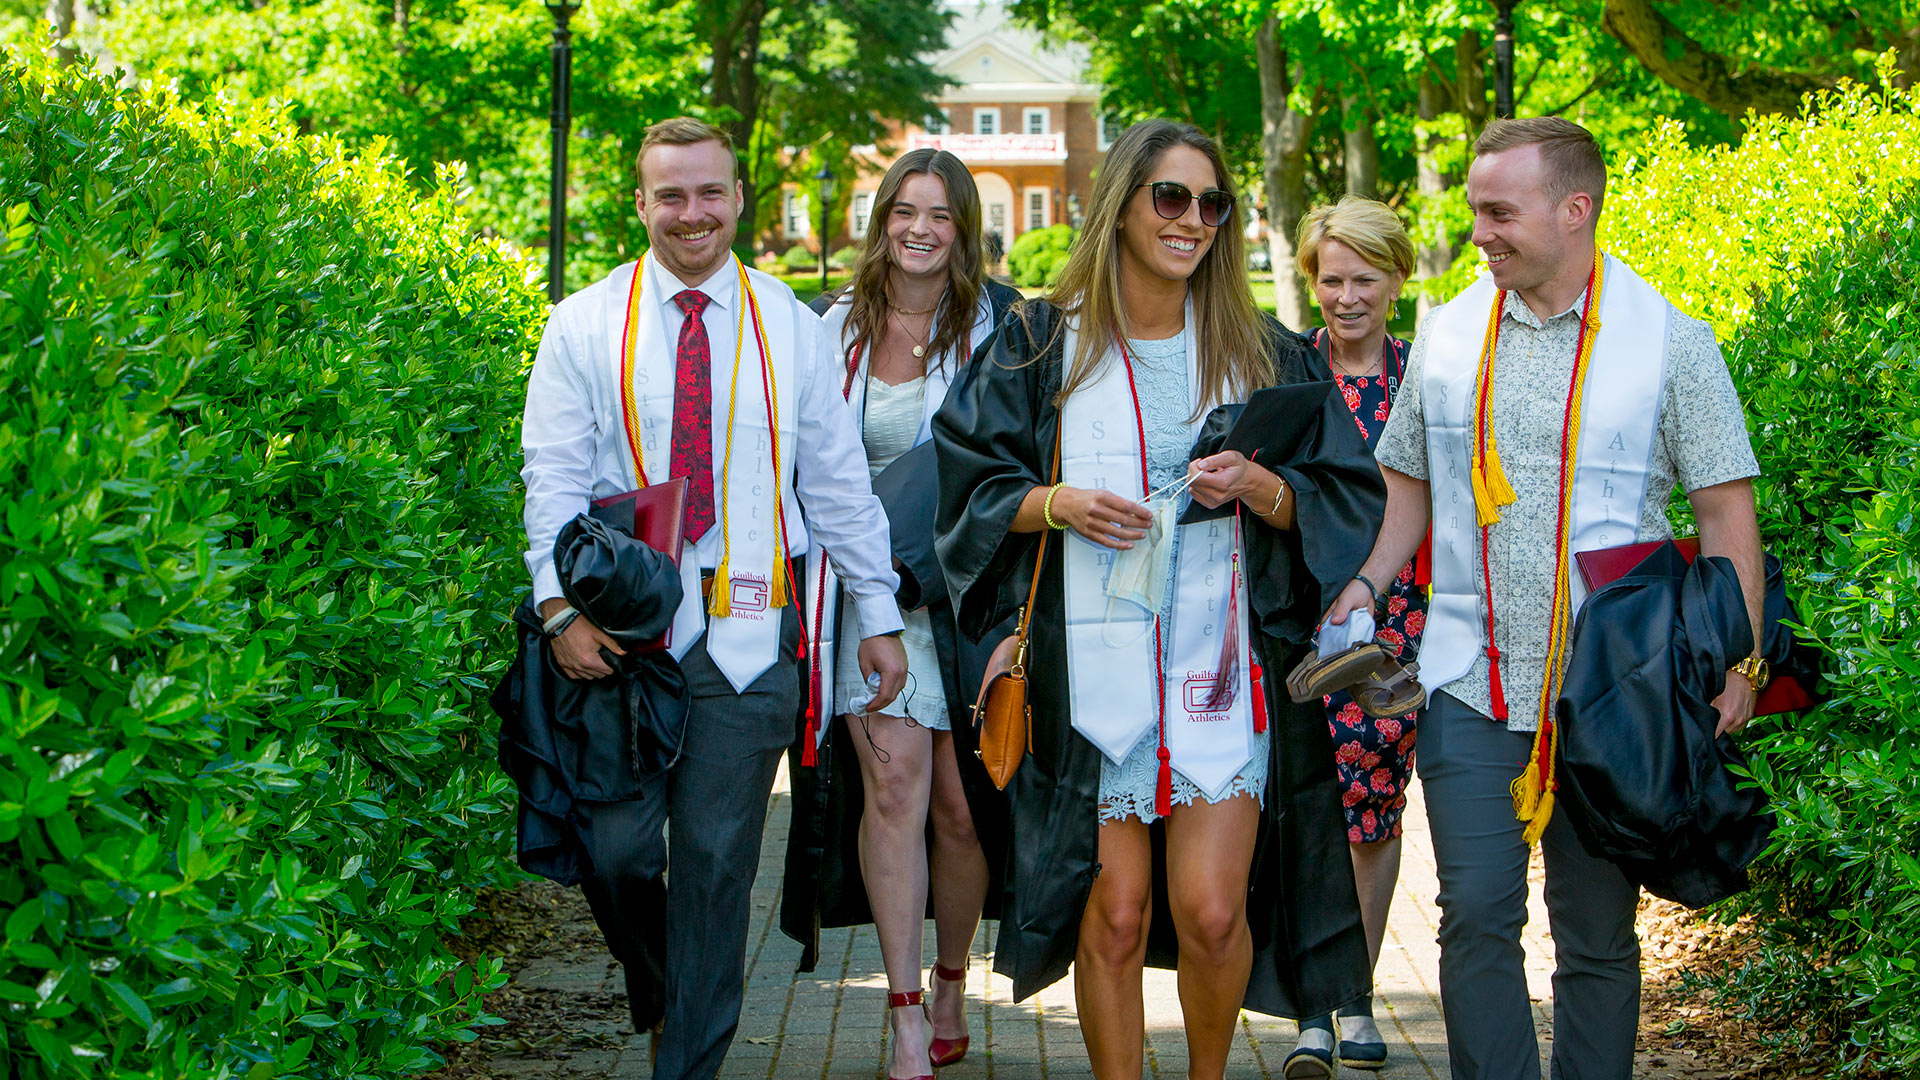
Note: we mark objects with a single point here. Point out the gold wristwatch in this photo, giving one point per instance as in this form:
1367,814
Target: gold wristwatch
1755,669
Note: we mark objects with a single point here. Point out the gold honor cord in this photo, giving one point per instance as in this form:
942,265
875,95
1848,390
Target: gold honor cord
720,604
1533,789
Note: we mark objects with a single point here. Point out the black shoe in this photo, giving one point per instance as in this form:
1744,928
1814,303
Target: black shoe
1308,1063
1359,1055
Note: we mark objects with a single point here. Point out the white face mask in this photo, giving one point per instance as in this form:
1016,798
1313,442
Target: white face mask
1139,574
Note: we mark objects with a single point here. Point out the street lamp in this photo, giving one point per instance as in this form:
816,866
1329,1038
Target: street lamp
825,179
562,121
1503,60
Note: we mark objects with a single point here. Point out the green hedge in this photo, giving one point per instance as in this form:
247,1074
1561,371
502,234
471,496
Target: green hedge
1800,246
1827,370
1039,255
1715,228
258,546
798,258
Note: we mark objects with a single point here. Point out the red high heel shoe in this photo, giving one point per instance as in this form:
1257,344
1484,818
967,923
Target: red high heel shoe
903,1000
948,1051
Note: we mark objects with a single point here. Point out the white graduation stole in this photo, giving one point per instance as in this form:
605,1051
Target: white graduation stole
746,642
1112,687
1620,411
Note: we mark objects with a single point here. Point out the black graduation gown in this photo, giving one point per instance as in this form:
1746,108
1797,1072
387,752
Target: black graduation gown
1642,779
995,439
822,886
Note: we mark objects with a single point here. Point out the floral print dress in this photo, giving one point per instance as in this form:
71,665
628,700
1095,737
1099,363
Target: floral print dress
1375,757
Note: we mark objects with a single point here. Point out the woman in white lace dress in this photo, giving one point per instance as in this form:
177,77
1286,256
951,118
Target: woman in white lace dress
1150,722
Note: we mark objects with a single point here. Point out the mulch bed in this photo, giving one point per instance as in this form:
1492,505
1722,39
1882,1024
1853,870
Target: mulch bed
538,920
1682,1032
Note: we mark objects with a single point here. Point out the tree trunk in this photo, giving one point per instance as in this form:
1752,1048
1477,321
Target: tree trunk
1470,85
735,48
402,21
1681,62
61,14
1283,145
1362,151
1433,253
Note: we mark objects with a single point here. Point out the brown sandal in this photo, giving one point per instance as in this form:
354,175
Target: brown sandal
1381,685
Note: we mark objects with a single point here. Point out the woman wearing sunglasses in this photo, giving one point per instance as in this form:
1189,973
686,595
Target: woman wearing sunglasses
1153,752
918,304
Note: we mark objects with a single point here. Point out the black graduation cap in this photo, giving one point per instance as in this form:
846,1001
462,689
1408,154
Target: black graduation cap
909,489
1278,425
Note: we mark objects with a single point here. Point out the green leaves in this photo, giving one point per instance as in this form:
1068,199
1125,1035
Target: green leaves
256,546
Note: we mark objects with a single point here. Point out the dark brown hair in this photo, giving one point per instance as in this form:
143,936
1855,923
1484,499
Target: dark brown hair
1569,152
965,267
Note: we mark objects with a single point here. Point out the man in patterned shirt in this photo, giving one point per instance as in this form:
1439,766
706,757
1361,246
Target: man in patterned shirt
1475,447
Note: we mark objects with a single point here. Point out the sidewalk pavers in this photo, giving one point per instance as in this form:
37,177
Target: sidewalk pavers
831,1023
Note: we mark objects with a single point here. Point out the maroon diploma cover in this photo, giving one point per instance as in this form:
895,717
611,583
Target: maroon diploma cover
1783,693
655,515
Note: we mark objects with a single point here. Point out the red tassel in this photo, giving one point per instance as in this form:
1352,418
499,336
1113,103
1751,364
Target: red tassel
1493,676
1163,791
1259,699
809,755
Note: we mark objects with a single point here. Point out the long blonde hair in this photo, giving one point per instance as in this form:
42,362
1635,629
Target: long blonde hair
1231,347
965,267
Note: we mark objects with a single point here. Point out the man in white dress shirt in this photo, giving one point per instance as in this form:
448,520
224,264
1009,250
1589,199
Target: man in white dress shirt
686,363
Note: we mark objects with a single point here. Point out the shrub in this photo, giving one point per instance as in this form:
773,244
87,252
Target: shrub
798,258
1039,255
1826,366
258,550
1712,228
843,258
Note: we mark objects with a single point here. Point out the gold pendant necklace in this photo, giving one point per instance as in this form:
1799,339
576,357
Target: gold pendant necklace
919,348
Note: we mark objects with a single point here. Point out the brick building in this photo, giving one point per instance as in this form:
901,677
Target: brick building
1021,118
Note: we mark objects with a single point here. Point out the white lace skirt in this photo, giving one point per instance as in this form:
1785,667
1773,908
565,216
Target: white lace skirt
1126,789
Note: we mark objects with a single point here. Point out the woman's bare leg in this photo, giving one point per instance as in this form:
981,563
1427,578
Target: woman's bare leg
1112,950
1376,873
958,883
897,772
1209,855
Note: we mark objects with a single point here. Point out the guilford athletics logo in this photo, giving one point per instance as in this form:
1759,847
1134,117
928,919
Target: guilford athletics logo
1200,703
748,595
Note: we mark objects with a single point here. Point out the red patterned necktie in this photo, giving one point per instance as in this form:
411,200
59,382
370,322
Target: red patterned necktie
692,455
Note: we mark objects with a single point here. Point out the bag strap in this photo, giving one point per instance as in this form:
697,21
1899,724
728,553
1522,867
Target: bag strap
1033,587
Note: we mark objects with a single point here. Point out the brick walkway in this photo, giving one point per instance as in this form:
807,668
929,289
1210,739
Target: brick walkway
831,1023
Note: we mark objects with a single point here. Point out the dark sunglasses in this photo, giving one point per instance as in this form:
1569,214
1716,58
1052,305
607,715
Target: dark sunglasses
1171,199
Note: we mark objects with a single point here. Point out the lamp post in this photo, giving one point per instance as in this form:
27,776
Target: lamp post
825,179
1503,60
562,122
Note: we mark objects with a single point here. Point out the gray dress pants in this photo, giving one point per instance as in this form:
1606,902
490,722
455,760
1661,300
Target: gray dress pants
714,801
1466,763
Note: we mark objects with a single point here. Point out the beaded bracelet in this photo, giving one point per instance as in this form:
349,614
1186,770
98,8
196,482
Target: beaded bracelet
1046,508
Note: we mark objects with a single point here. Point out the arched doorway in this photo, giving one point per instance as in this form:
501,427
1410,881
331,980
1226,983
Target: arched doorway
996,213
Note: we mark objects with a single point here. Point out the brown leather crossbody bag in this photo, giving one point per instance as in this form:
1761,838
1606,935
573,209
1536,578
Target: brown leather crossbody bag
1002,718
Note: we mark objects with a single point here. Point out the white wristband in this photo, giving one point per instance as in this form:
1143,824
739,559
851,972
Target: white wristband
559,620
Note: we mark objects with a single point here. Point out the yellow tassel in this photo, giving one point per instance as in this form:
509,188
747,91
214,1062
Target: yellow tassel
1526,790
1537,826
1491,491
720,605
778,588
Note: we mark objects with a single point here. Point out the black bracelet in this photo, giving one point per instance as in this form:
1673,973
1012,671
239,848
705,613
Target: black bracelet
1371,587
